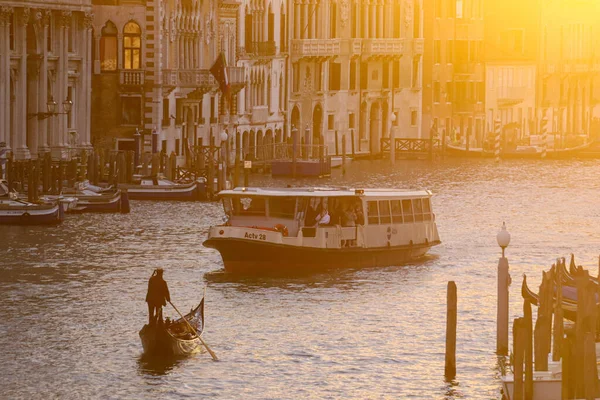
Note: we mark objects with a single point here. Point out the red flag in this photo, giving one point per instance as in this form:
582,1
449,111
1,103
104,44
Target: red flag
219,71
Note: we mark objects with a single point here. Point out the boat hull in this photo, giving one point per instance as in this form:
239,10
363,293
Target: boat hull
247,257
157,341
32,215
104,203
190,192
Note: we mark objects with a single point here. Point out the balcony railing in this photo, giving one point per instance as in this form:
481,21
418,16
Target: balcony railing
188,78
131,77
262,48
315,48
382,47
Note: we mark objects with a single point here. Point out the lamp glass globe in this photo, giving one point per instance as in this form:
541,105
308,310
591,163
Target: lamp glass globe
223,136
503,237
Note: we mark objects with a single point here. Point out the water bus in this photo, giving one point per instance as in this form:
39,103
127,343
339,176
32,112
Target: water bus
297,229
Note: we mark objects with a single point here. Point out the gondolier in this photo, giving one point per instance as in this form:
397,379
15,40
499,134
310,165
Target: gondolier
157,296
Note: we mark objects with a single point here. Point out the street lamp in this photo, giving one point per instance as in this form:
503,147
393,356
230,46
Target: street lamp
503,238
51,106
504,282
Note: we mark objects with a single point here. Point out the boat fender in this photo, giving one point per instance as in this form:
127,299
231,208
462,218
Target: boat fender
411,243
282,229
426,241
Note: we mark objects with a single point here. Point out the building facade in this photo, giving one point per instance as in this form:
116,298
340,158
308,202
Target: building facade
353,63
45,69
152,73
454,70
261,106
568,85
512,37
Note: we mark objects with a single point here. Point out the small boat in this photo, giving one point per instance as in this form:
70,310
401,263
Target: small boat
162,189
274,230
547,385
14,211
92,198
569,305
17,211
520,152
175,338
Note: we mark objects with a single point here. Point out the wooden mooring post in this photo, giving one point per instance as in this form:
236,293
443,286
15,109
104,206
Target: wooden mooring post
519,333
528,342
451,319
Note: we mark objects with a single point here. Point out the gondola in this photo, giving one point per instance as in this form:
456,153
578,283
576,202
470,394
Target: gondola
521,152
175,338
569,306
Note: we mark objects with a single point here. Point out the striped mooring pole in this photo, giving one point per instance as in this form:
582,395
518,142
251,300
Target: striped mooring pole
497,131
544,130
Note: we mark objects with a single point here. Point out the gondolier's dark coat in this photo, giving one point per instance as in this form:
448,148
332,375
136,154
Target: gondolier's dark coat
158,292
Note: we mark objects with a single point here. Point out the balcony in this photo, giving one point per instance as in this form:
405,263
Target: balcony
188,78
262,49
382,48
259,114
315,48
237,79
131,77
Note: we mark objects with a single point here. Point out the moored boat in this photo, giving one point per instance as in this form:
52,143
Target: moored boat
520,152
16,211
275,230
92,198
175,338
163,189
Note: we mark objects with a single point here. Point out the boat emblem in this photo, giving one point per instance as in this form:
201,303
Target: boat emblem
221,232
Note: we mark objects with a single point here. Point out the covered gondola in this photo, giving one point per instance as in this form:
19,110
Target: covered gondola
175,338
568,305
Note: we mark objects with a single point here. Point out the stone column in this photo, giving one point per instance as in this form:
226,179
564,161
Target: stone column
33,78
42,145
85,83
296,20
372,20
365,15
380,19
20,149
304,20
313,17
5,18
59,138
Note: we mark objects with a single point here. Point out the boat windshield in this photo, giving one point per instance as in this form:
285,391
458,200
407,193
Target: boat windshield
244,206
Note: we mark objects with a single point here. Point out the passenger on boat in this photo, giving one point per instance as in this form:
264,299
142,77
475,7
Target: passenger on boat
360,217
157,296
323,218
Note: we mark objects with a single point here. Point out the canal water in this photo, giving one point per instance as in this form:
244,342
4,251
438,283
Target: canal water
73,295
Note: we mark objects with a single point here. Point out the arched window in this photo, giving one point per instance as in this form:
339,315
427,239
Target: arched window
108,47
132,45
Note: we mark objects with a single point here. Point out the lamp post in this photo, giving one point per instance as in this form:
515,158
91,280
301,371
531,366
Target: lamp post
52,107
392,138
224,156
504,281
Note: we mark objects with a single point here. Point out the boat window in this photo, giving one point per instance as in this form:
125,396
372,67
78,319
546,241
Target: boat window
302,204
372,213
282,207
227,206
407,211
384,212
396,211
249,206
426,210
418,210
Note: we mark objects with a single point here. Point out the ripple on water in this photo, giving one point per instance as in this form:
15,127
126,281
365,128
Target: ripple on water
74,294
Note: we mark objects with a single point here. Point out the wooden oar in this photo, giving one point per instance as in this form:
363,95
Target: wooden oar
212,353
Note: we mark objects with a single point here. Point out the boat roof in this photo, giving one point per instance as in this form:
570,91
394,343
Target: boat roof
324,192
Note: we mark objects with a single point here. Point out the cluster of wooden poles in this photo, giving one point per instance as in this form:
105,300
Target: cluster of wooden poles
575,344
